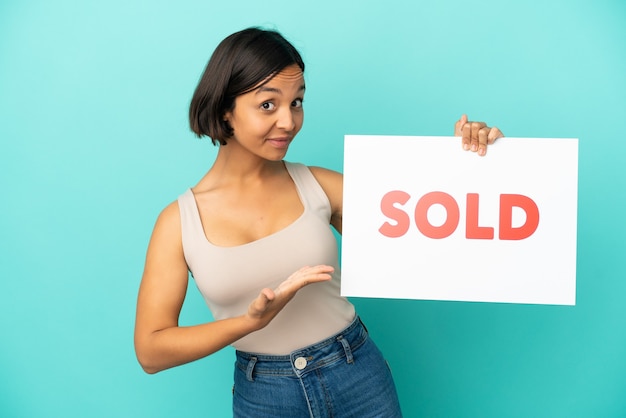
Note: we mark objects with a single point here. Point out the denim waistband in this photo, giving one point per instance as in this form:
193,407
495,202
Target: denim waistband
304,360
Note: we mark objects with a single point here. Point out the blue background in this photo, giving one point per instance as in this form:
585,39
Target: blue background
94,143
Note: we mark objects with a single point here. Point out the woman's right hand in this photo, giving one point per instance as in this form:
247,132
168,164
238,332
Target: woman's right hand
270,302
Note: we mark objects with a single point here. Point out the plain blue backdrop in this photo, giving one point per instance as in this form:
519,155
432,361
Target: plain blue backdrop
94,143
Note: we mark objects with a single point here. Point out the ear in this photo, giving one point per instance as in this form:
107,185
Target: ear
227,116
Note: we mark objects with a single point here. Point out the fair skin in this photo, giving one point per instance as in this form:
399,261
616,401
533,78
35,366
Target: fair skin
246,195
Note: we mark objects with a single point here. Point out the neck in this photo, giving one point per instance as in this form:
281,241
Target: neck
233,165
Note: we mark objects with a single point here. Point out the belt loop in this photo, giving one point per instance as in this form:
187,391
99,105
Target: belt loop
346,348
363,325
250,368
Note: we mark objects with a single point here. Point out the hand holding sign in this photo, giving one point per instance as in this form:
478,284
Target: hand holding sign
475,136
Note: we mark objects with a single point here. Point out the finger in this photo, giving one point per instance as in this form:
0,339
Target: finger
494,134
466,136
268,294
322,268
259,305
475,128
458,126
318,274
483,139
304,277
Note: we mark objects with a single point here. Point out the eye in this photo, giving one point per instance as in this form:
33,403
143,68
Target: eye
297,103
267,106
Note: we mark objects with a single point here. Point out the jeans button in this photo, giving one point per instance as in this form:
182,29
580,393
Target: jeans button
300,363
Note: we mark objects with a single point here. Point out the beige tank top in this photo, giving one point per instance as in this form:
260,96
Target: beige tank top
229,278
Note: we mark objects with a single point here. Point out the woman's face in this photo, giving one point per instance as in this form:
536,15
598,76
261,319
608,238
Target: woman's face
266,119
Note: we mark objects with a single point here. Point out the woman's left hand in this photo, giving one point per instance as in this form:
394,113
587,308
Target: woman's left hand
476,135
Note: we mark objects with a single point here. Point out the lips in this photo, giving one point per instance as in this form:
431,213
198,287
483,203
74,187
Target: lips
279,142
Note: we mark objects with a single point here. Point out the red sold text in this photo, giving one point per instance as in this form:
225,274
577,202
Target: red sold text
391,202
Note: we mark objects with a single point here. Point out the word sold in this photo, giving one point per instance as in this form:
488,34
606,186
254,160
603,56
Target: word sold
392,202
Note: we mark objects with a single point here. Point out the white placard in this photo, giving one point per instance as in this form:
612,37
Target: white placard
423,219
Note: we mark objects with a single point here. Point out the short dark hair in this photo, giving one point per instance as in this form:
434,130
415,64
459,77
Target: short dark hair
238,65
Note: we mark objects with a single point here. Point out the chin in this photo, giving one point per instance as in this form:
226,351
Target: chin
276,158
276,155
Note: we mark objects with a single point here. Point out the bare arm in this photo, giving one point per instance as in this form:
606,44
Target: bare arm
160,343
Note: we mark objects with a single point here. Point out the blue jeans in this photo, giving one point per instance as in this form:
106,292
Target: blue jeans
342,376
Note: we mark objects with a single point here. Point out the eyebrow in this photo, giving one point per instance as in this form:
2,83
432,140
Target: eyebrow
275,90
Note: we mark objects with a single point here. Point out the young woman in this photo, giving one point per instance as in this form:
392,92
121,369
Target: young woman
255,234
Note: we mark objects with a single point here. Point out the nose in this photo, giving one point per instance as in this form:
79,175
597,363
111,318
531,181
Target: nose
286,119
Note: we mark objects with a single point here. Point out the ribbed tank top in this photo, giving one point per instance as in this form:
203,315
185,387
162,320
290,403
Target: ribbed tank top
229,278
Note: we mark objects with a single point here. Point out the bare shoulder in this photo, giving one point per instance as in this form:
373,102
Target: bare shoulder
169,217
166,240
